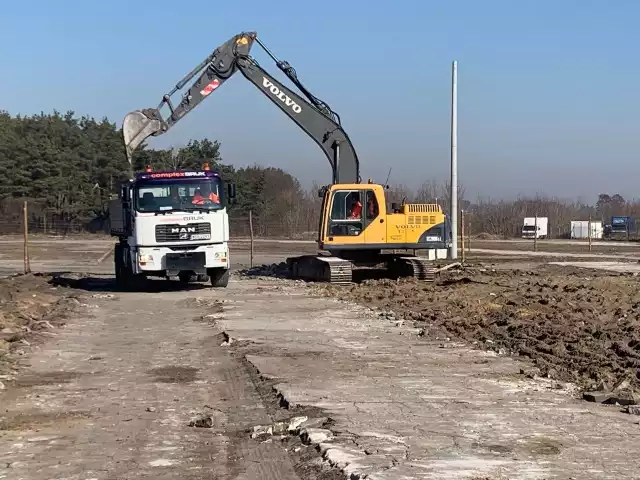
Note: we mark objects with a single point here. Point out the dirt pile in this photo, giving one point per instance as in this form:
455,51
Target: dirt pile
578,326
29,304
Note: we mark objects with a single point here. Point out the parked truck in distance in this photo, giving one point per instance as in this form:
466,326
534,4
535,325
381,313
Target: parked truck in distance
620,228
582,229
172,224
529,227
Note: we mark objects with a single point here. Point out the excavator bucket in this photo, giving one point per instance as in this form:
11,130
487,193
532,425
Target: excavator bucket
138,126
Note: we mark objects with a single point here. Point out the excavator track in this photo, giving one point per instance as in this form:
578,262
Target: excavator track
319,268
420,268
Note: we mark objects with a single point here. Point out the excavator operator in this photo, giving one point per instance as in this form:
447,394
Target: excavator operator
203,195
356,209
372,206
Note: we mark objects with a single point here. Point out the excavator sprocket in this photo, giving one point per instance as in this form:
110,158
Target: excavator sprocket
420,268
319,268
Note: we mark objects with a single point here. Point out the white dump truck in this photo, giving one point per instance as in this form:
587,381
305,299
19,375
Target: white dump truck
172,224
529,227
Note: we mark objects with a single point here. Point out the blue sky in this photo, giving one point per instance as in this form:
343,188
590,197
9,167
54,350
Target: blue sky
548,90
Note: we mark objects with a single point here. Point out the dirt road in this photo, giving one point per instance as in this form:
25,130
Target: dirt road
55,254
111,396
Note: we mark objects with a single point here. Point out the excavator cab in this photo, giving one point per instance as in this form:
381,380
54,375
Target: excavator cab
352,215
358,217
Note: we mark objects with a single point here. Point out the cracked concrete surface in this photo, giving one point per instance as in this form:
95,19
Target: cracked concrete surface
413,408
111,396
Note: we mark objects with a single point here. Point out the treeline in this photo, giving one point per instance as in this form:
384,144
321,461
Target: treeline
67,167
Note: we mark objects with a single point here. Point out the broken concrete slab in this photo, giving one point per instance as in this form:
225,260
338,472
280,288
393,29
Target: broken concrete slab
315,436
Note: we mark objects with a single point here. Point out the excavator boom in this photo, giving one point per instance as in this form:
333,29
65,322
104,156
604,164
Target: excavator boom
310,113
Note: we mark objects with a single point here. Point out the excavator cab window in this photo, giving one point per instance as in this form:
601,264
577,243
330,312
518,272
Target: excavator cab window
351,212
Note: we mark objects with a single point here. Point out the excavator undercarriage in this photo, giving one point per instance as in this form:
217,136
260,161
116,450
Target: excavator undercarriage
340,271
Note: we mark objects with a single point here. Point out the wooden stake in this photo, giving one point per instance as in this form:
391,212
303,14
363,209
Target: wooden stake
27,264
535,234
589,234
462,234
251,233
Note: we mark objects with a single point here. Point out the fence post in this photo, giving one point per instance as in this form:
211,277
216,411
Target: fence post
469,236
25,215
251,233
535,234
589,234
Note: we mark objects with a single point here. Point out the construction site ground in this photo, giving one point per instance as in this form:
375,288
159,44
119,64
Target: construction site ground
480,375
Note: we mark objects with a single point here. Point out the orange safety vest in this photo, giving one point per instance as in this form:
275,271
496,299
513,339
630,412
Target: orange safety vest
198,199
357,211
371,208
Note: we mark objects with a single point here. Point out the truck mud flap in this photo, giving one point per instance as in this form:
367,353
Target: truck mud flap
185,261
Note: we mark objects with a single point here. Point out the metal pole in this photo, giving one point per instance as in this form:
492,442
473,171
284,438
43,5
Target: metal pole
454,161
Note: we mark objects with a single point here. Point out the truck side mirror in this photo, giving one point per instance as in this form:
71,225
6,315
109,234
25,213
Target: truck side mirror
124,194
231,192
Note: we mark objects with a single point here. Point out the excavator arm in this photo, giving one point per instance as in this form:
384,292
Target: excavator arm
311,114
212,72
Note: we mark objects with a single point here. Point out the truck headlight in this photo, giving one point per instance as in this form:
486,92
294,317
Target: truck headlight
144,259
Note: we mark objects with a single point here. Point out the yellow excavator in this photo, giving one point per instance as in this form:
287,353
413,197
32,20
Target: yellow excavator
358,227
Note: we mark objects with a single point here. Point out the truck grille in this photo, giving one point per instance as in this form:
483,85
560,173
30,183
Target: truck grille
181,233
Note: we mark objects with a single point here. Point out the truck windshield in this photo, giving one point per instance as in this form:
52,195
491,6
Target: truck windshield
161,195
528,228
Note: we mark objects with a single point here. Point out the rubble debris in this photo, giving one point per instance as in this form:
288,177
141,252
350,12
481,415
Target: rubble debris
530,372
633,409
202,421
277,270
301,425
295,422
315,436
597,397
261,431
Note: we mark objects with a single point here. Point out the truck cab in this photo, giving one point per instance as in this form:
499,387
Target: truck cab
535,227
172,223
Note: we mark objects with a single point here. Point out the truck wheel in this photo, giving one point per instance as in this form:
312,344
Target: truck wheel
219,277
125,278
202,278
118,266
